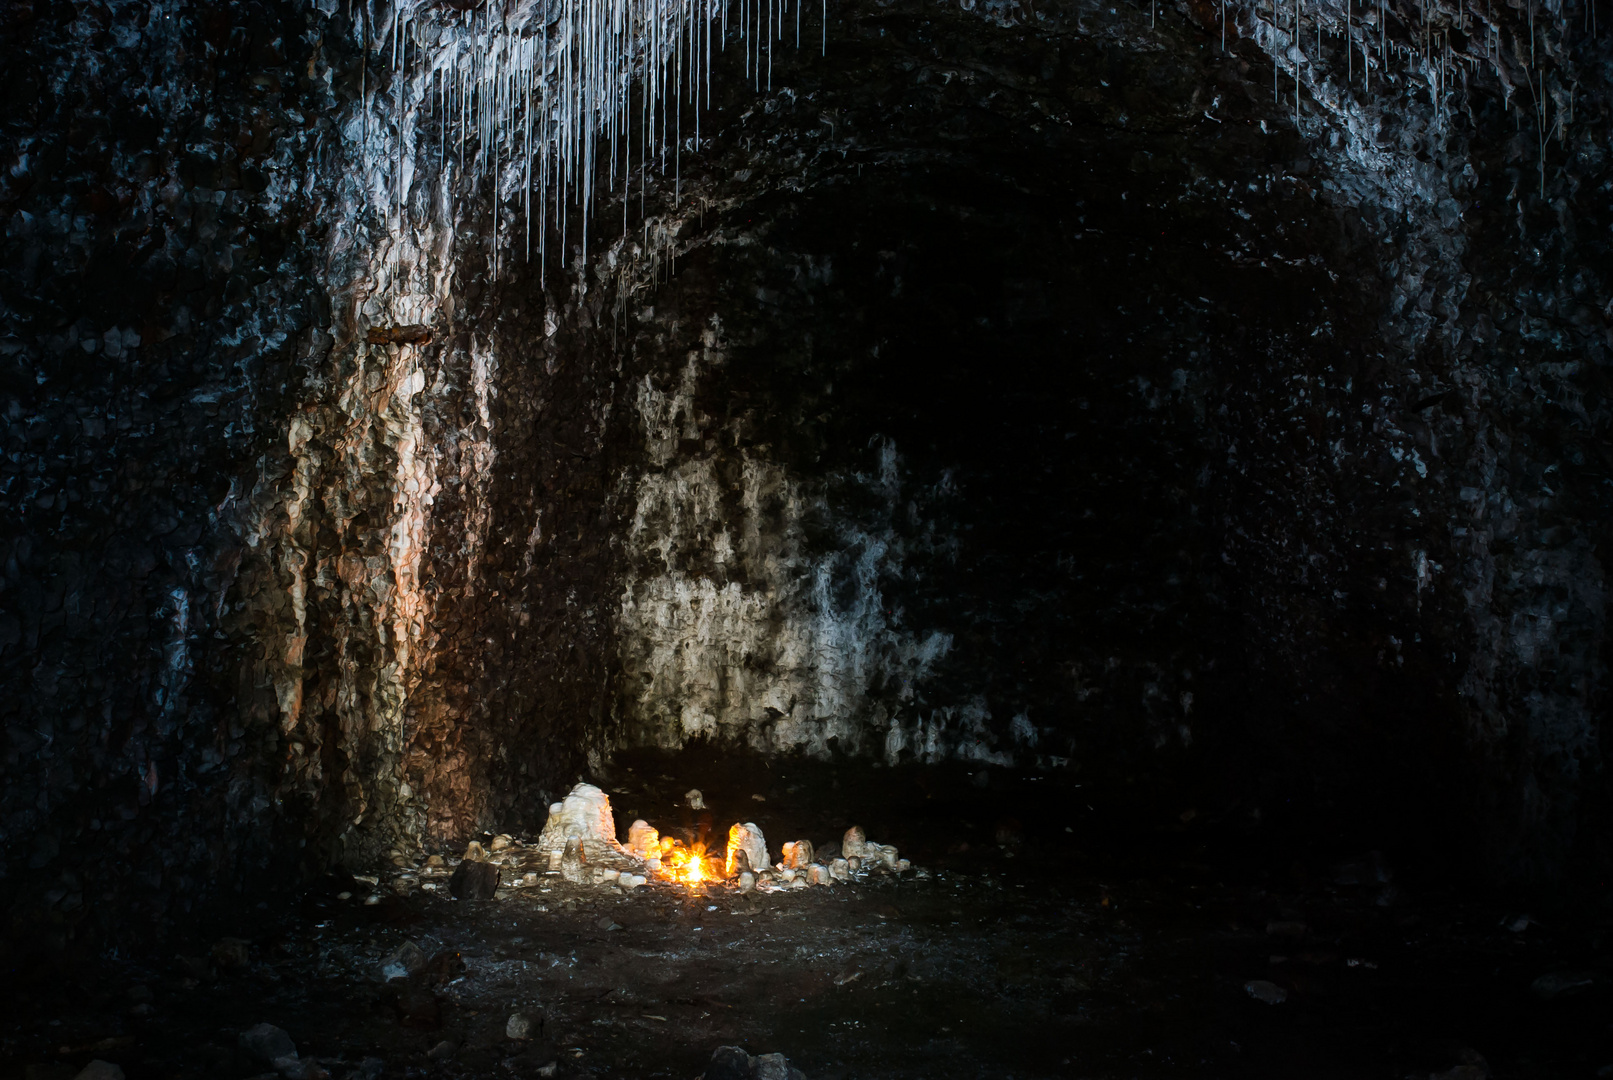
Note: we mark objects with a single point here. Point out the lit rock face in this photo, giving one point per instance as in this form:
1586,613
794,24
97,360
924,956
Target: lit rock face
729,627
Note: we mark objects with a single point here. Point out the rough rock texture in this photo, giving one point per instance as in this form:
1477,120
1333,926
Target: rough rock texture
1039,386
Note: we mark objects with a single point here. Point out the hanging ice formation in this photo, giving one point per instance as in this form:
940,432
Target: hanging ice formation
552,100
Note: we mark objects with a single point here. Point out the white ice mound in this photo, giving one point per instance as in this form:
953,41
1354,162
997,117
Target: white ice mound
583,823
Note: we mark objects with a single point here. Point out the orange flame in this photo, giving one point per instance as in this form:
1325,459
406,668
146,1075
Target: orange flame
685,865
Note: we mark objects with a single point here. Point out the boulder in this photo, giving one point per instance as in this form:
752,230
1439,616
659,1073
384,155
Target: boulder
474,881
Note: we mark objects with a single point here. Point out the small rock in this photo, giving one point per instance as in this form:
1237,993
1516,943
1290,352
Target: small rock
747,881
435,863
607,924
402,962
695,800
443,1050
729,1063
851,845
1559,984
1268,993
1472,1067
474,852
417,1008
632,881
267,1043
549,1069
501,841
231,953
770,1067
759,798
474,881
100,1070
518,1026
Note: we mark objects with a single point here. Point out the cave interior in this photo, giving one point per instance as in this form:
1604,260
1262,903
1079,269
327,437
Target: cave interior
1145,464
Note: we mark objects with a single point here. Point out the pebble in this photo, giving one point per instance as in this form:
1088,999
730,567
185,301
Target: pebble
1558,984
518,1026
402,962
1266,992
443,1050
231,953
501,842
267,1043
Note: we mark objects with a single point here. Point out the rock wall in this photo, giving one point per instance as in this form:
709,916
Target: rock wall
1005,385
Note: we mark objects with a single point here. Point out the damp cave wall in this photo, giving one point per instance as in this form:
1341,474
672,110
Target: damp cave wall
278,597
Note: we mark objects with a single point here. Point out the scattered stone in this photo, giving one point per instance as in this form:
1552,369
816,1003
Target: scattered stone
797,854
607,924
1472,1067
435,862
633,881
418,1008
231,953
100,1070
402,962
518,1026
267,1043
501,842
759,798
1268,993
728,1063
443,1050
474,881
732,1063
549,1069
747,838
695,800
1561,984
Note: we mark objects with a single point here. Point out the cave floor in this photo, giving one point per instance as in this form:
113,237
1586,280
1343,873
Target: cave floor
1029,952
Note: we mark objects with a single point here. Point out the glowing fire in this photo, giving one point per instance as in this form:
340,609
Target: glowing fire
686,865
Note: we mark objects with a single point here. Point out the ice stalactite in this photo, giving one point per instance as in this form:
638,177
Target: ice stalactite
552,102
